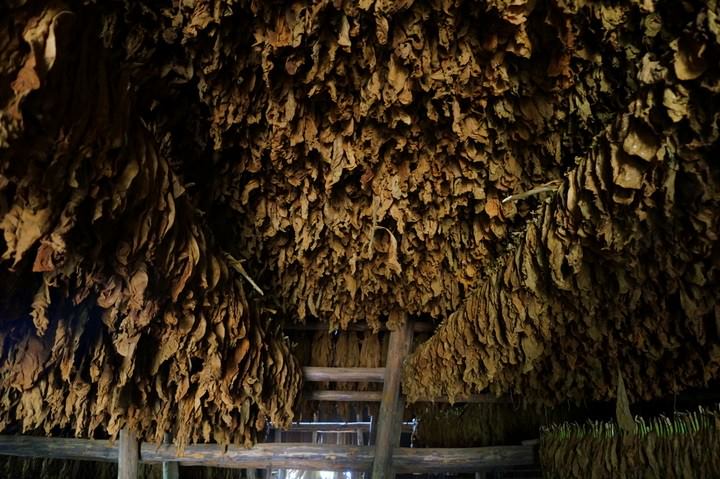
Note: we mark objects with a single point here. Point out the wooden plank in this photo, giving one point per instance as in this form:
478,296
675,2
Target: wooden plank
429,460
388,432
284,455
128,455
321,374
59,448
376,396
474,398
328,457
332,457
344,396
417,326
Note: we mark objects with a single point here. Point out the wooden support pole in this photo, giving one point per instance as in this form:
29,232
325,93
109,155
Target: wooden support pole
322,374
128,455
387,434
278,440
170,470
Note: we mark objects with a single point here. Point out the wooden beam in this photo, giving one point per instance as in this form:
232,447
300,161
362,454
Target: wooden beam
284,455
474,398
59,448
328,457
417,326
343,396
388,433
128,455
320,374
471,459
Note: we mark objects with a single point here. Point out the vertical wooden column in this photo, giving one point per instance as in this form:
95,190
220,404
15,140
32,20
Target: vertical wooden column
170,470
278,438
387,429
128,455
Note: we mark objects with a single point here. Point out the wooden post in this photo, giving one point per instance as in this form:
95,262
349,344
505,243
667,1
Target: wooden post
360,436
170,470
388,431
128,455
278,439
359,440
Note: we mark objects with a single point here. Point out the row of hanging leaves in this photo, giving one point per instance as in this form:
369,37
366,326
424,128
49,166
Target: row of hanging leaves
618,269
685,445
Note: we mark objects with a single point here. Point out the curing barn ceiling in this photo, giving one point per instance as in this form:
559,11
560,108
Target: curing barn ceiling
178,180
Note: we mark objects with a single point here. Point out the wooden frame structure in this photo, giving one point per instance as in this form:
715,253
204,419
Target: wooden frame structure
385,458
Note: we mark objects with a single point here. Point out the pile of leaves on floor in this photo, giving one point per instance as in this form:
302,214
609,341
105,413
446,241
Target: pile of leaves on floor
684,445
617,273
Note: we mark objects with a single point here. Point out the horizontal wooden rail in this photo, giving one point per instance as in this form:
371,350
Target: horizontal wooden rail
468,459
276,455
376,396
267,455
344,396
58,448
418,327
474,398
320,374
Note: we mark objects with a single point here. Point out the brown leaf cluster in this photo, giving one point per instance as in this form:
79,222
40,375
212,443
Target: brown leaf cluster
118,306
475,425
619,271
682,446
364,147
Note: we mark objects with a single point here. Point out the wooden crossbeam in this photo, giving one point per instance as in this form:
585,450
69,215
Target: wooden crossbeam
281,455
322,374
376,396
344,396
417,326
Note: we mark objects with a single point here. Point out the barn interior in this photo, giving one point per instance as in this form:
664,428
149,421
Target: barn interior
373,238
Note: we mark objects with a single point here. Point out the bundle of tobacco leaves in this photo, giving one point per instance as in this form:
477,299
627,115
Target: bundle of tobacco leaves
617,274
118,306
685,445
475,425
